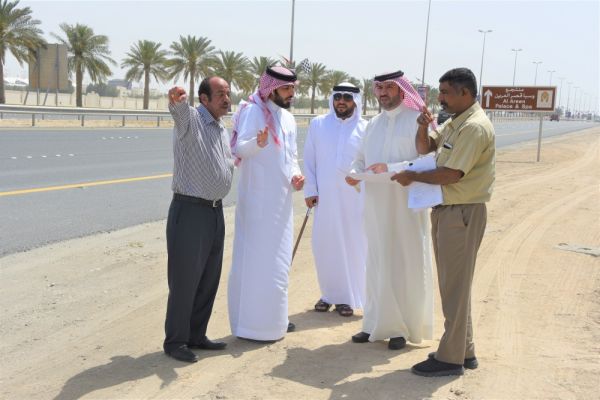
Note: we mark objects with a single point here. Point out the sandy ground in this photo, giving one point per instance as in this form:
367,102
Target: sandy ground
84,318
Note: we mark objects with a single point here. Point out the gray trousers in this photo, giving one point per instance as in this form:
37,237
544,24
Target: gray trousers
456,232
195,238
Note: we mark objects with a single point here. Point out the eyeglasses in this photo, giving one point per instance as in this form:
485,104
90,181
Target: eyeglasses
345,96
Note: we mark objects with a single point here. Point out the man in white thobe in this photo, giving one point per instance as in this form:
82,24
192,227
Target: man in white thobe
338,240
264,140
399,303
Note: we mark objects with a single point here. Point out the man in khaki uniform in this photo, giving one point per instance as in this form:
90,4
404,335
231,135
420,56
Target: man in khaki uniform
465,147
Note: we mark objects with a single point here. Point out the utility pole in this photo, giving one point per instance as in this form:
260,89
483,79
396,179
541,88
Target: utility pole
515,69
485,32
292,35
537,64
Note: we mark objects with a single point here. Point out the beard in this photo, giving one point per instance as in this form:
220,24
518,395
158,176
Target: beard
347,113
389,103
280,101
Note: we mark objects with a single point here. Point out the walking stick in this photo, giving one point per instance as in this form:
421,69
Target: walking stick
300,234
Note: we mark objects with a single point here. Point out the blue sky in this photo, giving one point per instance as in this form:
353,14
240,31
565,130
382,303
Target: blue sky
365,38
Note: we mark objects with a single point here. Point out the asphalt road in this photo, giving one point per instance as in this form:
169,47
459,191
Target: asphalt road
131,168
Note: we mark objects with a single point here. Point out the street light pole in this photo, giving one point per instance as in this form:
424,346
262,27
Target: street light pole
568,95
575,98
515,69
551,72
560,95
485,32
537,64
425,53
292,35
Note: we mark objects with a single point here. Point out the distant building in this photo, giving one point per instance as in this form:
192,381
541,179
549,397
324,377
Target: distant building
15,82
124,83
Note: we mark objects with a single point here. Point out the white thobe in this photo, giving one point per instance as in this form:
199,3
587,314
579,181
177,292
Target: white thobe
262,245
399,274
338,240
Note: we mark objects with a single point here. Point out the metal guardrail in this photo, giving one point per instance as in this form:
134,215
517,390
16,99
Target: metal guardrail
82,112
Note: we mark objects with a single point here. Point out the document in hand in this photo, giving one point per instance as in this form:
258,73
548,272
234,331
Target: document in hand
423,195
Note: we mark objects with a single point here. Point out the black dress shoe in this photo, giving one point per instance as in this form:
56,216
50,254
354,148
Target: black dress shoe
433,367
396,343
182,353
291,327
361,337
469,363
208,344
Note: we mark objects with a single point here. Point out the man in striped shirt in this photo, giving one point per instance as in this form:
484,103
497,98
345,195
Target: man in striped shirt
202,176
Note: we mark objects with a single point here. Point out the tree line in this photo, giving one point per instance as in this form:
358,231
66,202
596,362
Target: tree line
191,58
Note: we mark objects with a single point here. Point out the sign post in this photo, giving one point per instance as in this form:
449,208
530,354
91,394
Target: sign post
423,91
538,99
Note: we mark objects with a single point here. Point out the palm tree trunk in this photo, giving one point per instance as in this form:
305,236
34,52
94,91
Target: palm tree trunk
191,93
2,96
364,110
312,101
78,84
146,89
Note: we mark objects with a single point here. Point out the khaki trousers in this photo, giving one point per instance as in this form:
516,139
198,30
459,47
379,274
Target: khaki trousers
456,231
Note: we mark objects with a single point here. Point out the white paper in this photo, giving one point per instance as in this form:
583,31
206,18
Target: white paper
423,195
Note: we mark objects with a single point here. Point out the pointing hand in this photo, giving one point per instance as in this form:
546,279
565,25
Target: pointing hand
262,138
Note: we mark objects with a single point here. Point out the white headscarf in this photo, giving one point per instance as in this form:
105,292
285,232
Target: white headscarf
347,87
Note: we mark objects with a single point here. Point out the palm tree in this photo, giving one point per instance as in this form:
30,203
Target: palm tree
286,63
331,79
19,34
367,93
193,57
144,59
314,79
336,77
258,66
87,52
234,68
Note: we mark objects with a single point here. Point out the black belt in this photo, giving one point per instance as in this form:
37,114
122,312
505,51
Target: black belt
198,200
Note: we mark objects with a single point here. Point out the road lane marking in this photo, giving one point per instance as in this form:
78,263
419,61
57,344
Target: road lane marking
82,185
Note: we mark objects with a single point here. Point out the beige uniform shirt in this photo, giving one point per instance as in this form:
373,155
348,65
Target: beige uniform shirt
467,143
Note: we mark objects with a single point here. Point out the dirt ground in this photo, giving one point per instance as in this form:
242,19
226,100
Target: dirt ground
84,318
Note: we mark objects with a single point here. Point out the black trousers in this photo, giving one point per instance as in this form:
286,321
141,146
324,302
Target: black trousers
195,239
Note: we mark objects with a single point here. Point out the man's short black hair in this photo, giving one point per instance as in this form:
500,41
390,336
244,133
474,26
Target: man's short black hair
460,78
204,88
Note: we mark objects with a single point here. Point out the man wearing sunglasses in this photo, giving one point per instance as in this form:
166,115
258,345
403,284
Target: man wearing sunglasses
399,294
338,242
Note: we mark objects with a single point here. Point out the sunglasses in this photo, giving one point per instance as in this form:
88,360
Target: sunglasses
345,96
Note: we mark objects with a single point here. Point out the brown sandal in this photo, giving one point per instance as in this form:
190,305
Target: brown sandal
344,310
322,306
